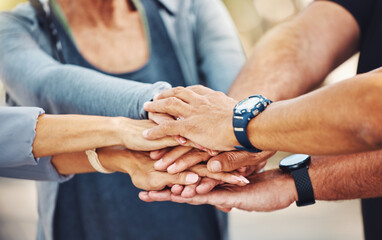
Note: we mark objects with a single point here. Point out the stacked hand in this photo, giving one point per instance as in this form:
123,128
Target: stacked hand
200,119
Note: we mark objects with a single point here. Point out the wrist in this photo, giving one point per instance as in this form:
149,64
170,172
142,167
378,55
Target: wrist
114,159
121,128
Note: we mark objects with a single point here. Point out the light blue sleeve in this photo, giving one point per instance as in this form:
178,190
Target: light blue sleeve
33,78
17,133
220,55
42,171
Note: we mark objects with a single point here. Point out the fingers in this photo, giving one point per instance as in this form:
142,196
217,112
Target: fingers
169,128
144,196
188,160
173,106
183,178
201,90
160,118
189,191
196,200
230,178
170,157
181,140
182,93
158,154
229,161
160,196
177,189
206,185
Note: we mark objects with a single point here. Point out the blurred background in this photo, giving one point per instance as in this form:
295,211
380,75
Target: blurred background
324,220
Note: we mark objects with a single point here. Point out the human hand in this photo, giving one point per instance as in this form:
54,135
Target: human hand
235,160
268,191
160,118
130,133
181,158
205,117
141,170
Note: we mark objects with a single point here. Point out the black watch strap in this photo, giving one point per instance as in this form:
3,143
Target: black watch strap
304,187
240,124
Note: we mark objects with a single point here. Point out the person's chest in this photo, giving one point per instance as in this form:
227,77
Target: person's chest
114,49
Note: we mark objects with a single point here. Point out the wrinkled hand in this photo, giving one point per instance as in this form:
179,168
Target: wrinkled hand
161,118
184,157
144,176
268,191
205,117
230,161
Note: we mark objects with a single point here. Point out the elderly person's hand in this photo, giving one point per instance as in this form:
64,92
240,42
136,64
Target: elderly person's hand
141,170
268,191
182,158
205,117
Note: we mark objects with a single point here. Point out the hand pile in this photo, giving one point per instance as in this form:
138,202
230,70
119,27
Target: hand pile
200,120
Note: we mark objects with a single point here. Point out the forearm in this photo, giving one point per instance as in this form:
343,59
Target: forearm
296,56
62,88
338,119
57,134
77,163
347,176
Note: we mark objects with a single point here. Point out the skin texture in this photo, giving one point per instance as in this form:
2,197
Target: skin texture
57,134
119,24
282,68
273,190
140,168
113,22
320,122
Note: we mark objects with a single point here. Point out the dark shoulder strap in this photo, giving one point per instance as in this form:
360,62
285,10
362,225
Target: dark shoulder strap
46,24
39,10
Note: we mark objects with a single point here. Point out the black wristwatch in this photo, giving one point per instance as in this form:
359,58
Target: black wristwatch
298,165
243,112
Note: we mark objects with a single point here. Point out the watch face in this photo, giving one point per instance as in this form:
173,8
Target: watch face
247,104
293,160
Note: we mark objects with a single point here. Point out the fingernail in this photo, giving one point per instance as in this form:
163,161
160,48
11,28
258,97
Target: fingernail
156,96
158,164
192,178
145,133
236,178
182,140
244,179
172,168
216,166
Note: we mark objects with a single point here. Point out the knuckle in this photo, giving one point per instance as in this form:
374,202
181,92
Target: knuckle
154,183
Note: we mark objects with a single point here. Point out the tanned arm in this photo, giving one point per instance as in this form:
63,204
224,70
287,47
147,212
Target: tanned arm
296,56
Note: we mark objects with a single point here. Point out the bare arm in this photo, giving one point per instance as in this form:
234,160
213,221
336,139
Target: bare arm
56,134
296,56
140,168
338,119
333,178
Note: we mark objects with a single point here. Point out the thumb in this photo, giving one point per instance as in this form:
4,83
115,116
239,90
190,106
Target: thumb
160,131
228,161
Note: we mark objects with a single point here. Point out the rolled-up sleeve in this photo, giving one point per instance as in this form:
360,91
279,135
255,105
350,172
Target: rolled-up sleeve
17,134
18,131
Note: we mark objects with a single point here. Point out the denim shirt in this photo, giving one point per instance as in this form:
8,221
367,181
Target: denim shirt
204,39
